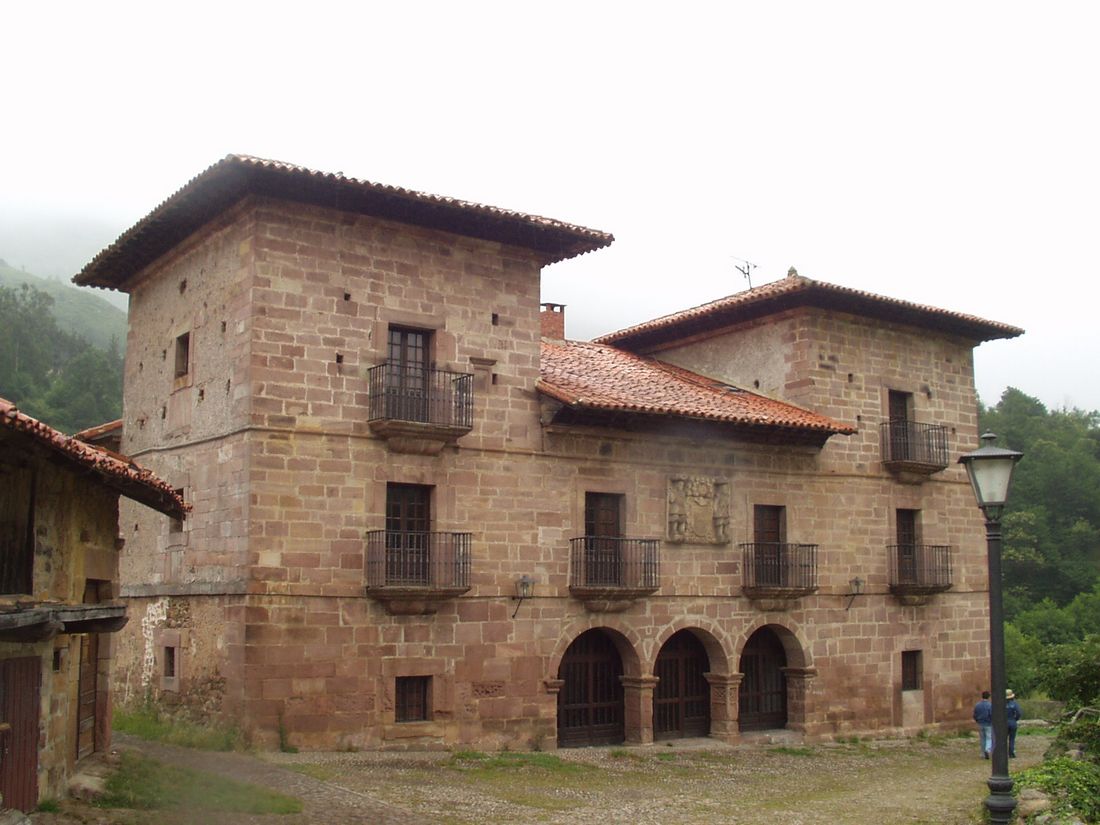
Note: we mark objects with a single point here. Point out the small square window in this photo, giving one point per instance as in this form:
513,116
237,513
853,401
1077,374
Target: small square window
912,670
183,355
169,663
411,698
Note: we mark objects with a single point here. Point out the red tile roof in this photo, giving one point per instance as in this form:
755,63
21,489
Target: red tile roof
222,185
114,471
599,377
794,291
93,433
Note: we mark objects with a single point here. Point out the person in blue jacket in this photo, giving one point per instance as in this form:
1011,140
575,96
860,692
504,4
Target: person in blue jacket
1012,716
983,715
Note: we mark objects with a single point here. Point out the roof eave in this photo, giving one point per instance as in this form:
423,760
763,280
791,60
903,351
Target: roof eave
219,187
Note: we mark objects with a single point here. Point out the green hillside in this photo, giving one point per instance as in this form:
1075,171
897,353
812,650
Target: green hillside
78,311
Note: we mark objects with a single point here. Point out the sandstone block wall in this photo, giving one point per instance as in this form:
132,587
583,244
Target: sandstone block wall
262,589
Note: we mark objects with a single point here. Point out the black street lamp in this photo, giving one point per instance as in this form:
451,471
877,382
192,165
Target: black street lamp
990,470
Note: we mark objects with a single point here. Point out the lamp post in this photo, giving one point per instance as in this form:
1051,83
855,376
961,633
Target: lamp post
990,470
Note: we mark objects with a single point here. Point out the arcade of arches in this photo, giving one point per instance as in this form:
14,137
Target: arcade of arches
605,696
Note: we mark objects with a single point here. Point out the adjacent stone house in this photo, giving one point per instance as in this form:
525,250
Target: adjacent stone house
422,517
58,599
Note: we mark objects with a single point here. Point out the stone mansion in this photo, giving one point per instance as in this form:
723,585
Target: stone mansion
422,517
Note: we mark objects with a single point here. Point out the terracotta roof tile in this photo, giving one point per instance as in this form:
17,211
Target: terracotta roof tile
600,377
219,187
115,471
92,433
795,290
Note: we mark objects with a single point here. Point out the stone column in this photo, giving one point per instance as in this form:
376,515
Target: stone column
800,705
638,708
724,705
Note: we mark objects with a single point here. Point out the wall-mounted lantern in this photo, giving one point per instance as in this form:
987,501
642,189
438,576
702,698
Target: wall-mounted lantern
525,589
855,589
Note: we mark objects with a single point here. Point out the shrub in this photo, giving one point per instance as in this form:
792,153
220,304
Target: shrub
1071,673
1084,731
1072,785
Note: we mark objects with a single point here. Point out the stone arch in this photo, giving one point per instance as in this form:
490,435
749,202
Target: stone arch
635,687
712,637
795,644
626,640
798,672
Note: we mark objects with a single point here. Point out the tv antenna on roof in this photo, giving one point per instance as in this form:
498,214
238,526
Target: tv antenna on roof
745,268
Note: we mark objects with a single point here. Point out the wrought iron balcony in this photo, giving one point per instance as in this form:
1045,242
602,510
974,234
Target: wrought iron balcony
609,573
419,410
911,447
919,570
778,570
411,571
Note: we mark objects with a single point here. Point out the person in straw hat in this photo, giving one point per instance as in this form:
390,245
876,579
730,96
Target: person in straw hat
1012,716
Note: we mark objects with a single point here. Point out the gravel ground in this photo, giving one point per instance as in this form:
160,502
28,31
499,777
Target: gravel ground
889,782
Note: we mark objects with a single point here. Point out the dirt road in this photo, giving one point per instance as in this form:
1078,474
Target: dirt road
940,782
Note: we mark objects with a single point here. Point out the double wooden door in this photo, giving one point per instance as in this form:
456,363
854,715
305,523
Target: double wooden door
590,701
763,691
681,701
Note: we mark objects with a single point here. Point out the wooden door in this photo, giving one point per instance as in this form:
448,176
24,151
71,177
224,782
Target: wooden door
603,529
88,686
769,533
763,691
906,524
590,702
900,411
681,701
88,681
20,681
408,540
408,363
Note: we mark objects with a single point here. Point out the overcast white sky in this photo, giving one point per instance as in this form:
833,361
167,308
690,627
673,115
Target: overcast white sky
945,153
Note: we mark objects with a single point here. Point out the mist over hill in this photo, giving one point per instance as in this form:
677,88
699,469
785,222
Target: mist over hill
78,311
54,247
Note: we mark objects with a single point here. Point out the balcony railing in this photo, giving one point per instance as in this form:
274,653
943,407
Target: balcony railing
411,403
613,568
919,569
913,447
779,570
417,567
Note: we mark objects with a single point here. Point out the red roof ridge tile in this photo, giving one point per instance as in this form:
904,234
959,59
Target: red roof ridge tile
861,302
223,184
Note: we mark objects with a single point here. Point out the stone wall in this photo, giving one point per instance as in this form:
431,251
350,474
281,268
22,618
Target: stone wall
75,532
287,478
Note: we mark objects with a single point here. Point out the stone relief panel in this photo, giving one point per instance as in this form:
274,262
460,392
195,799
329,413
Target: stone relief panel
698,510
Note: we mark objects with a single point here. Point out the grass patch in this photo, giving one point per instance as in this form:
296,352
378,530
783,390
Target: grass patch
666,757
793,751
147,722
623,753
146,784
508,761
48,806
320,772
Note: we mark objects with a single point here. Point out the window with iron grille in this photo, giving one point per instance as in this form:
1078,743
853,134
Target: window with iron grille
912,675
411,698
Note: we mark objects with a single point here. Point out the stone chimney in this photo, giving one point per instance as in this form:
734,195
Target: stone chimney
553,321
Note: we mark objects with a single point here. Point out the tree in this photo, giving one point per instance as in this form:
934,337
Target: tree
1052,526
51,375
